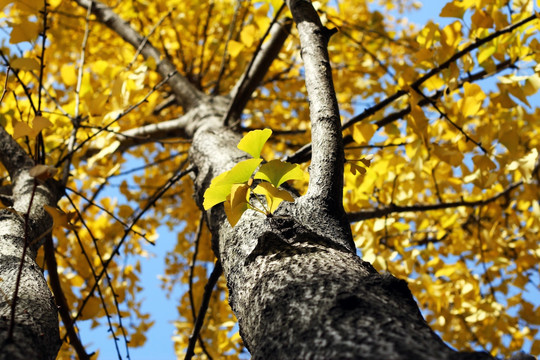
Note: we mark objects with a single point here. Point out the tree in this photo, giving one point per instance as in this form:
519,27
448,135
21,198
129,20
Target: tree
439,176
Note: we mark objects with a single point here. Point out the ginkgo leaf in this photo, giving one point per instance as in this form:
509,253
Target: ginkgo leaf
239,194
25,31
274,196
240,173
235,48
221,185
68,75
20,129
91,308
43,172
525,165
277,172
236,203
362,133
452,10
60,218
248,35
39,123
27,64
355,168
472,100
253,142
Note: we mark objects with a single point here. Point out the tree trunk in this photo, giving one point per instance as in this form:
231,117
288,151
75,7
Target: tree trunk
297,289
295,282
28,316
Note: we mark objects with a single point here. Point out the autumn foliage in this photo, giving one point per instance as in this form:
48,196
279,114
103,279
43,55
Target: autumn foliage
440,122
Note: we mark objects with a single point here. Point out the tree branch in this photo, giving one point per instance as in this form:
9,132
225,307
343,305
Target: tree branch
60,299
186,94
12,155
303,154
258,67
214,277
326,175
392,208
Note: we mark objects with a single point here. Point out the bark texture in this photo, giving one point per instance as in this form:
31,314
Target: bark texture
296,288
28,321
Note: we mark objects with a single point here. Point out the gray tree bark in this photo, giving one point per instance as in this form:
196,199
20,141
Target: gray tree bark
28,316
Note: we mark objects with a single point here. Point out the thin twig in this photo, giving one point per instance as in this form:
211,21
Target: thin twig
60,299
191,274
212,280
392,208
447,118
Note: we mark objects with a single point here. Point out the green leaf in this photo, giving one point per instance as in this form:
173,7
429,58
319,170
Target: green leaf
274,196
221,185
253,142
277,172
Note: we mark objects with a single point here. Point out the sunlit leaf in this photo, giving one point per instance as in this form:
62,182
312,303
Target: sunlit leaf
60,218
253,142
43,172
235,48
221,185
525,165
274,196
451,9
363,132
69,75
277,172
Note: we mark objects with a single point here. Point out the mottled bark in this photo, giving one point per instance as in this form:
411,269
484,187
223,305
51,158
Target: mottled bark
28,322
295,282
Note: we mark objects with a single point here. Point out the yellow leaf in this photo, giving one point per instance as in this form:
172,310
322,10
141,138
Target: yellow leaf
253,142
68,75
39,123
91,309
25,31
472,99
481,19
60,218
452,10
248,35
236,203
235,48
43,172
277,172
355,168
20,129
27,64
239,194
525,165
448,153
363,132
221,185
274,196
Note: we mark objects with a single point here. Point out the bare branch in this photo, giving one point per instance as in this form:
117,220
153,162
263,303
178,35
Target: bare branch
208,288
326,175
60,298
262,60
393,209
187,95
